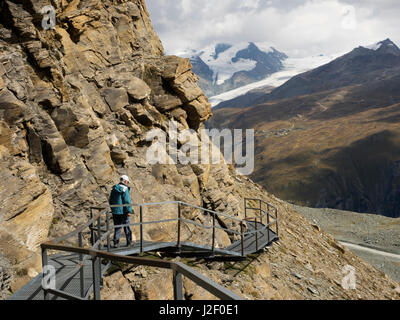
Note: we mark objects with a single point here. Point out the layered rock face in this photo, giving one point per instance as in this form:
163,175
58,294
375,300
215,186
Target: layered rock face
76,104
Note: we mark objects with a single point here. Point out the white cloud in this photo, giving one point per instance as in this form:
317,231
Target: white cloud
253,4
349,17
297,27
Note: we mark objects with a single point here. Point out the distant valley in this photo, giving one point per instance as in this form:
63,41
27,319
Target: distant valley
368,231
329,137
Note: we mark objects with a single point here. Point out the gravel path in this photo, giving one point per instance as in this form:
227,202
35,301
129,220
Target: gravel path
376,239
369,250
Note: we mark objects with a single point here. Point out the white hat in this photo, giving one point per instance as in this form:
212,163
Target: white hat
125,178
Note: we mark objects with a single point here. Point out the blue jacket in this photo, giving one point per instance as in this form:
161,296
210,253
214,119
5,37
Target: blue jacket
120,194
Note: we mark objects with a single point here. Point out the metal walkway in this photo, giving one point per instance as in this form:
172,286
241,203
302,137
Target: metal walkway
68,279
79,273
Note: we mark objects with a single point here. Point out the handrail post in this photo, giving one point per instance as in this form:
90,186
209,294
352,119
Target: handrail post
276,216
179,225
99,229
91,228
141,228
256,234
245,209
177,279
261,211
268,226
96,277
44,265
100,245
81,271
108,231
242,237
213,237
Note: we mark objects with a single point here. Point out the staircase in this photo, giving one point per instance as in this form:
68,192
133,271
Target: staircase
78,271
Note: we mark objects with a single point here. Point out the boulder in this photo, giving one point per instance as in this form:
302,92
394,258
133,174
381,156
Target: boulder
12,107
185,86
127,117
198,110
99,163
118,156
116,98
162,97
165,101
89,92
174,66
74,125
117,287
150,288
141,115
138,89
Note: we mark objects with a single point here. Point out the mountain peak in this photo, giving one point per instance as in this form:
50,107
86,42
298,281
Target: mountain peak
387,42
220,48
385,47
391,46
224,66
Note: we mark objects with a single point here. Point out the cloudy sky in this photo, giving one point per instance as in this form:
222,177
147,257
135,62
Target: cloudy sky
297,27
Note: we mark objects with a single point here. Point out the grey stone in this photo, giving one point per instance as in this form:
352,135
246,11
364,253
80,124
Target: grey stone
138,89
116,98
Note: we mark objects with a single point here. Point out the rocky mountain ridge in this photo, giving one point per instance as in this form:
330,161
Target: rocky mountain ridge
360,66
336,146
76,103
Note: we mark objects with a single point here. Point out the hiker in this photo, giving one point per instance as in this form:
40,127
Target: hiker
120,195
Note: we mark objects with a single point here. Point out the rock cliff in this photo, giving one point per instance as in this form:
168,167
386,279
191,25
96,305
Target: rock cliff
76,103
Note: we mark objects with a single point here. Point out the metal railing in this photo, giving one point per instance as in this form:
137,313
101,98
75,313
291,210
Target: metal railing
99,234
179,269
54,244
180,220
264,214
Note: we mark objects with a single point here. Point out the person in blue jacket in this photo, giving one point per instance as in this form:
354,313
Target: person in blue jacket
120,195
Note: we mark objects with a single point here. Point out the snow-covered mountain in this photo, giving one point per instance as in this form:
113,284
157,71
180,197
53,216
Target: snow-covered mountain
223,67
229,71
361,65
386,46
291,68
332,131
304,76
